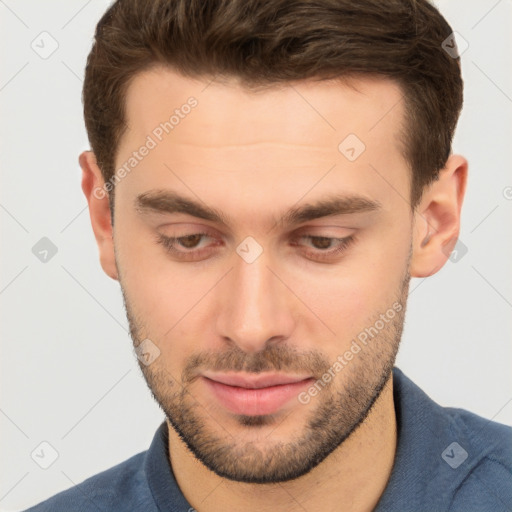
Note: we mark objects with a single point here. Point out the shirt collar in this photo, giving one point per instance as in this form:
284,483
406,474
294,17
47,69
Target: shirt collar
420,477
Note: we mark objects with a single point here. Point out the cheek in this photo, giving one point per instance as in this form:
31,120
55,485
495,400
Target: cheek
164,298
361,287
172,300
159,291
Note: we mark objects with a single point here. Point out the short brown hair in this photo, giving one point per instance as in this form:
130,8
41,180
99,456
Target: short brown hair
264,42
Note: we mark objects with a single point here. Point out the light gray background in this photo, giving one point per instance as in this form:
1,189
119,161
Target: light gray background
68,373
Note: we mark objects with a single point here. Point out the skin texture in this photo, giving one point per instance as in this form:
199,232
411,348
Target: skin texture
252,155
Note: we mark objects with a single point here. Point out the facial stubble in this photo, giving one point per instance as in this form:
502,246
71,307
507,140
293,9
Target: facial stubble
333,415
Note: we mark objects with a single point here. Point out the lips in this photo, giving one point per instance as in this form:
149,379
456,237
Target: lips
256,381
254,394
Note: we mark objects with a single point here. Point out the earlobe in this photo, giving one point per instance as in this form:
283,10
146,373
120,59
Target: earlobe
437,219
93,186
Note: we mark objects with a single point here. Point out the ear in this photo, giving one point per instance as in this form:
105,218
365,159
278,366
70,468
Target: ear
93,186
437,218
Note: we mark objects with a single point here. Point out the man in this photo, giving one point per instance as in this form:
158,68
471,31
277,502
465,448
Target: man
265,178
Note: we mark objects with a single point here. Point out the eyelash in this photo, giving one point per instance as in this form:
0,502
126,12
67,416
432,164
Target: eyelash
169,244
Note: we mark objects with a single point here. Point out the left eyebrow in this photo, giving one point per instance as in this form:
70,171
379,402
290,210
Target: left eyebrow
169,202
327,207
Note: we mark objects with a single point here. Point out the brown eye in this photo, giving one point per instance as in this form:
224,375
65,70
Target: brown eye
185,247
321,242
190,241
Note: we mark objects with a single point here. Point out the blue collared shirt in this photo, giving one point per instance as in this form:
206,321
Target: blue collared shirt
447,460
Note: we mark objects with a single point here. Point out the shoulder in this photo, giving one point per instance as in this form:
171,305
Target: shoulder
452,457
487,479
121,487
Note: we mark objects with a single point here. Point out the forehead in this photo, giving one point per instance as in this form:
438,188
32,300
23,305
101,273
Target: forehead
310,112
265,142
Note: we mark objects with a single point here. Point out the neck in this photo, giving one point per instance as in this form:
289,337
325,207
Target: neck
352,478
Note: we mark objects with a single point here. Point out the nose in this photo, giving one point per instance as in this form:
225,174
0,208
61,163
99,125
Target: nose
256,307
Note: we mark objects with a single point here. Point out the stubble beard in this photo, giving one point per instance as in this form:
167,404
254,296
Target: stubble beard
335,413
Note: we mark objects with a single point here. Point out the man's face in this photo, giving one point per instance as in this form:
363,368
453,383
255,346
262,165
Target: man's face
249,295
